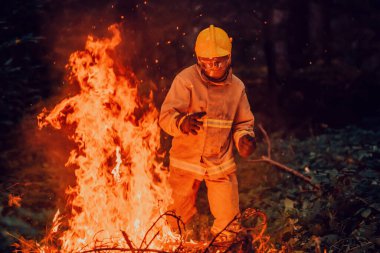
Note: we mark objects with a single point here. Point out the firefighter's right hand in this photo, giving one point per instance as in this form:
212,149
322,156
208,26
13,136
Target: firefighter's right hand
191,123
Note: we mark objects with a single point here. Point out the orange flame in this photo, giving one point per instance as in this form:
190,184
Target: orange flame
119,184
14,200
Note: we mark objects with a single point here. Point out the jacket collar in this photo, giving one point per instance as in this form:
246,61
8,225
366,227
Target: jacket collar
206,80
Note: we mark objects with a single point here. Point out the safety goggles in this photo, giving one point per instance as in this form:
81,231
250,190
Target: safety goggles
212,63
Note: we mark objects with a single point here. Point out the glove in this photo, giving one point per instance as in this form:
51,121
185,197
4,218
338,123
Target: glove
247,144
189,123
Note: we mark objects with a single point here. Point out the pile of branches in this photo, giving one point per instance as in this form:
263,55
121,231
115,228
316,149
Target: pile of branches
249,238
246,239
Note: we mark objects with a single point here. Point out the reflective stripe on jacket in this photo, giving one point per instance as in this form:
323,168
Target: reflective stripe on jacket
228,117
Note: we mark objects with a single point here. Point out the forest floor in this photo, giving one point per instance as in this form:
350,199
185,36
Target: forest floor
343,216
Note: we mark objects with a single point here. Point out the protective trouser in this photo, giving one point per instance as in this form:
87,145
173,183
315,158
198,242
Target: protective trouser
222,195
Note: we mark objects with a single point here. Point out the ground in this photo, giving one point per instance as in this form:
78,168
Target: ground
343,216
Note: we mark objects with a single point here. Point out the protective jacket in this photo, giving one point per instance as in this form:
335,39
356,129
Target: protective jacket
228,117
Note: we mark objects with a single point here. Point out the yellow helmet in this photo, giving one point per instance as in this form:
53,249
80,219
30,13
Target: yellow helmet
213,42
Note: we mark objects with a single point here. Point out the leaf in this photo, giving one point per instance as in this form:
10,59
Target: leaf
366,213
289,204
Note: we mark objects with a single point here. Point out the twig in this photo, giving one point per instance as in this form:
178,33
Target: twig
269,160
128,241
168,213
287,169
362,200
269,149
154,237
15,184
263,223
122,249
258,237
365,245
245,215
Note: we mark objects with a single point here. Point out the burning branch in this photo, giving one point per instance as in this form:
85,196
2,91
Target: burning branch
267,159
133,249
123,250
248,239
179,224
130,244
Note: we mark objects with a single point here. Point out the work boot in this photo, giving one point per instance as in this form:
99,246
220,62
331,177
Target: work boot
192,228
227,235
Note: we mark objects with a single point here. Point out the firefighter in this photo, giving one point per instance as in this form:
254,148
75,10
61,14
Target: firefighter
207,112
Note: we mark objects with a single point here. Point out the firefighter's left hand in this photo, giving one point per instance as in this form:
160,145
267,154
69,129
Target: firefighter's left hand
247,144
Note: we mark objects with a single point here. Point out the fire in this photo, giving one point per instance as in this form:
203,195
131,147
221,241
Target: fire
14,200
120,187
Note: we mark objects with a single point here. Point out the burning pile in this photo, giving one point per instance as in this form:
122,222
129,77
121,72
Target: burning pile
119,184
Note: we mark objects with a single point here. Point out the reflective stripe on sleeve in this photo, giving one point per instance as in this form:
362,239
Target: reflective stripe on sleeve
218,123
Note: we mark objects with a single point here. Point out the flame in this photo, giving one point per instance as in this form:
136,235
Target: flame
14,200
119,184
56,222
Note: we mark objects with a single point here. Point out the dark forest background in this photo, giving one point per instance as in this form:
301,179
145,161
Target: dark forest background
304,63
311,68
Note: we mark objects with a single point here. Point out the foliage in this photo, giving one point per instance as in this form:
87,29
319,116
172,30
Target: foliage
344,215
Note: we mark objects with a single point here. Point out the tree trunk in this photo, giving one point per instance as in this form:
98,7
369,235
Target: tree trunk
319,30
298,34
275,43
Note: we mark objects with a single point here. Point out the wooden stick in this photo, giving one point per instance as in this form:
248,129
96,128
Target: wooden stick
269,149
287,169
179,223
269,160
128,241
122,249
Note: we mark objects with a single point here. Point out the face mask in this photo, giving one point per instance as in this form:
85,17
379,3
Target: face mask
214,63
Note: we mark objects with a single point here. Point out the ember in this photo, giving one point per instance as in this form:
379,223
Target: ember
14,200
